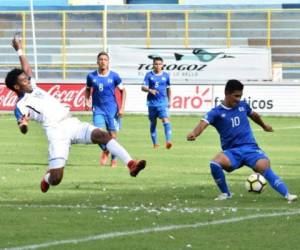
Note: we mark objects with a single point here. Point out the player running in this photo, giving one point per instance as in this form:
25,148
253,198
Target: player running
238,143
60,127
157,85
107,114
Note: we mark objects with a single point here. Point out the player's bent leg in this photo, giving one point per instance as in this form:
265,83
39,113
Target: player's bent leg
114,161
56,176
168,132
99,136
217,165
262,166
53,177
219,177
153,133
99,122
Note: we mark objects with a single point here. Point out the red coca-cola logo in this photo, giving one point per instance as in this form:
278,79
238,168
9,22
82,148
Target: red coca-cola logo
7,98
69,94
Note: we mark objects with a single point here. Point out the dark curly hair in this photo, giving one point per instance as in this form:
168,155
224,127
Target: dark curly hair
233,85
102,53
12,77
157,58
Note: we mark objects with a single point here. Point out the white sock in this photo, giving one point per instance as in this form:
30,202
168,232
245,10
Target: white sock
116,149
46,177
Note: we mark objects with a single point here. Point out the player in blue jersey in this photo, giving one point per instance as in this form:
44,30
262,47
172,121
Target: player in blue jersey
107,107
60,127
157,85
238,143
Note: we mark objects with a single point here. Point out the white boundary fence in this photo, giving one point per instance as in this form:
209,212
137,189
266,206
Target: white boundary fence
273,99
264,98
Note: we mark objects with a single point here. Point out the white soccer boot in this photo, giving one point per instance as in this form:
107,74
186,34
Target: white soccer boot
291,197
223,196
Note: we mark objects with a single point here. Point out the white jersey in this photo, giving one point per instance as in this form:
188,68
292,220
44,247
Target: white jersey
61,130
40,106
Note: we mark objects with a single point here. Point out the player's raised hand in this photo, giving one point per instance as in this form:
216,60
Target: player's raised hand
268,128
16,42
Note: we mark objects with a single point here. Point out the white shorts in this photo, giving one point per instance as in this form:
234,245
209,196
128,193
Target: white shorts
62,135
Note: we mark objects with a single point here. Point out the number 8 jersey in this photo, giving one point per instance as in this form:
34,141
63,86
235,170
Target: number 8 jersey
232,124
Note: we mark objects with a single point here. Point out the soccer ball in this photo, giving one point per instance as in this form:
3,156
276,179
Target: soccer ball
255,183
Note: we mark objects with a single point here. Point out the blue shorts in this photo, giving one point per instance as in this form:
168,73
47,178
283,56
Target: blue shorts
158,112
245,155
110,123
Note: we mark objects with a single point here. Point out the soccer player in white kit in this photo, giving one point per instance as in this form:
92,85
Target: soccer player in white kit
61,128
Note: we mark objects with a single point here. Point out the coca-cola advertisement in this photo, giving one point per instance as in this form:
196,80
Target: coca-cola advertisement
69,94
282,99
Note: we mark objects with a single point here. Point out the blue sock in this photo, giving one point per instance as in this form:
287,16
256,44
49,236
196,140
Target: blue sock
168,131
275,182
219,177
103,147
153,132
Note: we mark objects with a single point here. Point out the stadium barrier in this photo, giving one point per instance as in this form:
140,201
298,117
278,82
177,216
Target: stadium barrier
274,99
68,40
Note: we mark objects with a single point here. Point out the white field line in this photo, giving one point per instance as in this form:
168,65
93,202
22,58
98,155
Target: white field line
152,230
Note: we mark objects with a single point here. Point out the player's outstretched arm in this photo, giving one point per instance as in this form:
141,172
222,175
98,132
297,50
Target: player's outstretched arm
257,119
197,130
17,45
23,124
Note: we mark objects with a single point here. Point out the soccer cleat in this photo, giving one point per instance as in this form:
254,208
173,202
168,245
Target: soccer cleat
168,145
291,197
44,186
155,146
136,166
113,163
223,196
104,158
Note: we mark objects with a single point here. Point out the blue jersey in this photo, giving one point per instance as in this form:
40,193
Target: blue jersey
232,125
103,97
160,83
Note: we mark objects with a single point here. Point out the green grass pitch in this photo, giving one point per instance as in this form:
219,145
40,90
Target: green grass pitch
169,206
